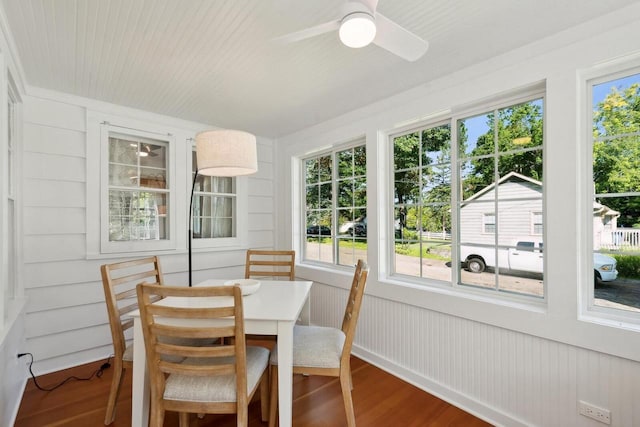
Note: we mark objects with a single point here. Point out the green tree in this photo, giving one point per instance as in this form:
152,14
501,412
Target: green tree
616,151
423,179
514,128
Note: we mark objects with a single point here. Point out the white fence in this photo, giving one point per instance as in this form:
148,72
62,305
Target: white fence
440,235
620,238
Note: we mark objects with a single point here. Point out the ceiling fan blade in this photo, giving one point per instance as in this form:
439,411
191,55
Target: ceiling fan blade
371,4
397,40
308,32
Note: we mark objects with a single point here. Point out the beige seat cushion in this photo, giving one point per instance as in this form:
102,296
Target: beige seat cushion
315,346
219,388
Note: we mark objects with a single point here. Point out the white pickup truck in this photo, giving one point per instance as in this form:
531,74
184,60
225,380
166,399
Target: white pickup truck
526,255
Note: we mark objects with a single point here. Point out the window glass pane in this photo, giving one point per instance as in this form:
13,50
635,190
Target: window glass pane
134,215
324,168
214,205
345,163
616,183
406,151
495,226
347,204
473,133
325,196
422,198
311,171
137,170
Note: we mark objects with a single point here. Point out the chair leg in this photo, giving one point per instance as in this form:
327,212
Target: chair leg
242,416
264,396
116,381
345,385
157,416
273,403
184,419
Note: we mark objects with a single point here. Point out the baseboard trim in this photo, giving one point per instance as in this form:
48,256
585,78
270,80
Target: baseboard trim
462,401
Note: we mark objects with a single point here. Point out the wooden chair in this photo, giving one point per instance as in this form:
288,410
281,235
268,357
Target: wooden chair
207,379
119,281
270,264
319,350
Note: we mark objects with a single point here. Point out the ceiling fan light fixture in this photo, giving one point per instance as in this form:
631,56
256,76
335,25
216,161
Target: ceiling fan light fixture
357,29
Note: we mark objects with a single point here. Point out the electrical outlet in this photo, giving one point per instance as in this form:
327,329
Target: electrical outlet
592,411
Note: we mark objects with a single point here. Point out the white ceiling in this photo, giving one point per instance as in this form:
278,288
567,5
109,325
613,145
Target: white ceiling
214,61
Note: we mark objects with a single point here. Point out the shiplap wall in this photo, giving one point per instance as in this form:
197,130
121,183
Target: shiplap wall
66,320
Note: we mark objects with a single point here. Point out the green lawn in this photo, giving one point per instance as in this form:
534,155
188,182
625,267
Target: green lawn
431,249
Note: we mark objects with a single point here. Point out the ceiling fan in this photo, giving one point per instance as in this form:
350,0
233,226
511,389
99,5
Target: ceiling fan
359,25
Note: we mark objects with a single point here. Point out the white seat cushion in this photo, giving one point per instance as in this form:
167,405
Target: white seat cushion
128,353
315,346
219,388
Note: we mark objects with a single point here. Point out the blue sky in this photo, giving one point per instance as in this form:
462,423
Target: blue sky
600,91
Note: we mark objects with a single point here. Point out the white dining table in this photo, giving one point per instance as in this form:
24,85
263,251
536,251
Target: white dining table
273,310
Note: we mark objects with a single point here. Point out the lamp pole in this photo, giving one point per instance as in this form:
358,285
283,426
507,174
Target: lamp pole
193,186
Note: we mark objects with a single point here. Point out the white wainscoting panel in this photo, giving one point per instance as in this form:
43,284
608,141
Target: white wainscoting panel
505,377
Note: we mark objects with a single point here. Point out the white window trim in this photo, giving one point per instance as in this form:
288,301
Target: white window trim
485,223
106,246
301,176
98,127
12,302
533,223
588,311
521,301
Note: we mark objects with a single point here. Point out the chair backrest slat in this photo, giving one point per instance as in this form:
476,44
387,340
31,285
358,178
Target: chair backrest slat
169,341
268,263
119,282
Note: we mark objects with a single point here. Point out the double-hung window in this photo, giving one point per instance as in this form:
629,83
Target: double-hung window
335,208
214,205
136,190
614,208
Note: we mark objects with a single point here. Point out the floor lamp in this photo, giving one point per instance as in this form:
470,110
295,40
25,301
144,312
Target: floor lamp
221,153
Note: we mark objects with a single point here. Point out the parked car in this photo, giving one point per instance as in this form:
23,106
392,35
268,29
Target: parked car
527,256
355,228
318,230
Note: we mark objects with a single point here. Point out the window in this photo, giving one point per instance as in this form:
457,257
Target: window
615,205
9,291
336,206
422,202
136,190
536,223
489,223
494,187
214,205
500,172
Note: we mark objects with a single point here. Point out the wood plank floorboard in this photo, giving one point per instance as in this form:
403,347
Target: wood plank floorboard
380,400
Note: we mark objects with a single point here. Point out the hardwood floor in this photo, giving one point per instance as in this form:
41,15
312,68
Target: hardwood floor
380,400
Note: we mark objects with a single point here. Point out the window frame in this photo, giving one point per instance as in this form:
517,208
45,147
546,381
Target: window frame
331,152
110,247
10,290
534,92
588,310
97,158
485,223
